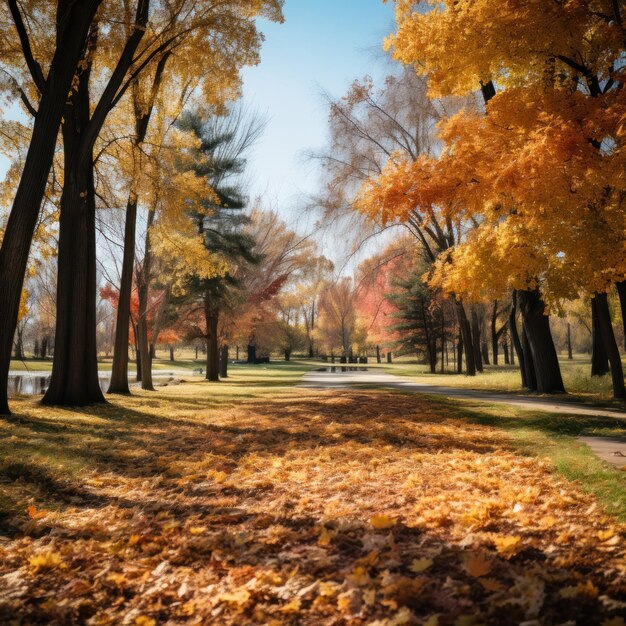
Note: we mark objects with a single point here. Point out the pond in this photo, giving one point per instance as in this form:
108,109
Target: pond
36,383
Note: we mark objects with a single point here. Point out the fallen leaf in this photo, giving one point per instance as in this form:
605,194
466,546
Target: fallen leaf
382,522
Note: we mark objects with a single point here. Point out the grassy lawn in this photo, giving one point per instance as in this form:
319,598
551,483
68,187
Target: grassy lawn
253,501
576,376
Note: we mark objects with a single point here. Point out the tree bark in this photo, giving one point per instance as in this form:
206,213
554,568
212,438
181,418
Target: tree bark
476,341
73,24
211,316
224,362
74,380
466,334
544,356
529,375
599,356
119,369
610,345
459,350
515,340
378,358
570,356
621,292
172,359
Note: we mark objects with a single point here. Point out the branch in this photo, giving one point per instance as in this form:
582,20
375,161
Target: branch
35,69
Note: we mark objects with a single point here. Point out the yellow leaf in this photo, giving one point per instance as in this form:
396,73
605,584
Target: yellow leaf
143,620
477,564
382,522
46,561
326,536
328,590
508,545
291,607
420,565
197,530
239,597
605,535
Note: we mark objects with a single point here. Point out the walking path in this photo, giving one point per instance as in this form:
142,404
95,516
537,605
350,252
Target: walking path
612,451
338,380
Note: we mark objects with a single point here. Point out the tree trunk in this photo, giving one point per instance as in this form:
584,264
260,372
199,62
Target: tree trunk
74,380
74,21
378,358
476,341
224,362
459,349
517,347
172,359
211,316
610,345
119,369
570,356
494,332
529,376
287,354
599,356
485,352
537,327
466,334
621,292
389,357
505,350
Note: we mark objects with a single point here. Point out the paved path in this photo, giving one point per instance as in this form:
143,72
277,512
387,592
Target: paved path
344,380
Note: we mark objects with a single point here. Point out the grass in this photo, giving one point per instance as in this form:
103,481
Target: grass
503,378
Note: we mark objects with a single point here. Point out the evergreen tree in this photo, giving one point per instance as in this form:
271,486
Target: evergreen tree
419,316
223,142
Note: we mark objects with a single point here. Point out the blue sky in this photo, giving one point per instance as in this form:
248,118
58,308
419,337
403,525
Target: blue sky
322,46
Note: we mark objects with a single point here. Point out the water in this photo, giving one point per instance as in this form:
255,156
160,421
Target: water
36,383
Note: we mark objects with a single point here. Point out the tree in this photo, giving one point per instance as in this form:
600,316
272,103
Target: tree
225,41
338,320
558,70
47,79
419,316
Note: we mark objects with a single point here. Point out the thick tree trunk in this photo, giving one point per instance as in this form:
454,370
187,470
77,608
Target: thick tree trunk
378,358
74,380
389,357
537,327
459,352
287,354
610,345
466,334
599,356
212,358
119,369
517,344
224,362
172,359
74,20
476,341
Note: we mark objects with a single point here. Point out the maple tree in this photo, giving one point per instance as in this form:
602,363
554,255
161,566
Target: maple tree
549,219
